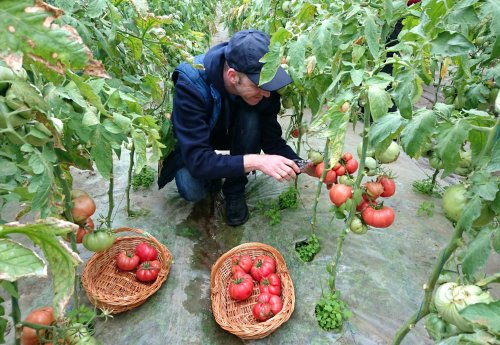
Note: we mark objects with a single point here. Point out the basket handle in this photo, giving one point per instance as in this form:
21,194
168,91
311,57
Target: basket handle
127,229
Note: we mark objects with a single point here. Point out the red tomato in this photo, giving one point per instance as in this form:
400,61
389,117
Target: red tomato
374,189
363,205
244,261
236,269
147,271
262,267
389,187
347,156
41,316
127,261
378,218
271,284
146,252
241,286
340,171
84,229
339,194
267,306
351,166
330,177
83,206
337,166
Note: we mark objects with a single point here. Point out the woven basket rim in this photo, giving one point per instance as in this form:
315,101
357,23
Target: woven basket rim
261,329
122,303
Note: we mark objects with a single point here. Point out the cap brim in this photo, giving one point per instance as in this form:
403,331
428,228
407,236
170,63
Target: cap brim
281,79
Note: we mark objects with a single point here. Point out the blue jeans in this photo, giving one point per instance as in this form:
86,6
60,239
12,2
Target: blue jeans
244,139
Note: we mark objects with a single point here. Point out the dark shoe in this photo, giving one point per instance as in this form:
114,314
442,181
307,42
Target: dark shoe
236,210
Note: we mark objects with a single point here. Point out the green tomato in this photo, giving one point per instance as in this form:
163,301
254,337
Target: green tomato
370,163
357,226
435,326
390,154
436,162
78,334
454,201
287,102
99,240
344,179
315,157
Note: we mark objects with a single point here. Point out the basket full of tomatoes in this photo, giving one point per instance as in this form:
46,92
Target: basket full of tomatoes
252,291
123,276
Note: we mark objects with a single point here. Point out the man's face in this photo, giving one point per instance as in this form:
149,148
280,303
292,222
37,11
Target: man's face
247,90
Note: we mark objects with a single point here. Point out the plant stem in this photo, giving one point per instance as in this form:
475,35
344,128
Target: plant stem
318,188
438,85
59,173
16,315
111,201
129,182
300,115
352,211
429,287
434,177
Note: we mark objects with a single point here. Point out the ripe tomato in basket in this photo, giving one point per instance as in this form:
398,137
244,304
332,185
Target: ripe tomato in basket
271,284
127,261
148,271
243,261
241,286
267,306
263,266
146,252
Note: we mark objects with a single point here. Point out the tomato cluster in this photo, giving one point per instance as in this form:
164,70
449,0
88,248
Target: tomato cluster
143,260
83,208
373,214
263,271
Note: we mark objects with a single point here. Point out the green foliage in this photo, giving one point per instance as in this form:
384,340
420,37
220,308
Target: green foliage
308,249
287,199
144,179
426,186
331,312
426,207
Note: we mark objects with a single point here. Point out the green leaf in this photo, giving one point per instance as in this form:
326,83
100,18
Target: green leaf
494,164
37,164
90,117
140,150
272,61
477,253
485,185
42,196
26,93
281,36
152,85
480,337
450,139
297,53
87,92
7,168
484,314
11,288
357,76
471,212
379,101
306,13
417,131
322,45
135,46
101,152
448,43
61,260
372,34
17,261
385,129
95,8
24,30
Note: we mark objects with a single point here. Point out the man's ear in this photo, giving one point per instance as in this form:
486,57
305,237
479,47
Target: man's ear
233,76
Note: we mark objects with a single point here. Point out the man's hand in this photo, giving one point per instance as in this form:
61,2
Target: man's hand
279,167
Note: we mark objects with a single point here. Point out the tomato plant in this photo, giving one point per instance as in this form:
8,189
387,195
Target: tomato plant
241,286
127,261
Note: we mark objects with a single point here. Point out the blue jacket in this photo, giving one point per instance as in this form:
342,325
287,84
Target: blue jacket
201,103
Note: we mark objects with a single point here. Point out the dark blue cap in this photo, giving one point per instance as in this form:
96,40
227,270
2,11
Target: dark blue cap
243,52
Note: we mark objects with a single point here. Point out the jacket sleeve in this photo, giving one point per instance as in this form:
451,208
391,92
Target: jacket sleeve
272,140
190,117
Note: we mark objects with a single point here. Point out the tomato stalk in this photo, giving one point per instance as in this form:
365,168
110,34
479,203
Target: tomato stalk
454,243
318,188
129,182
300,115
332,268
111,201
16,313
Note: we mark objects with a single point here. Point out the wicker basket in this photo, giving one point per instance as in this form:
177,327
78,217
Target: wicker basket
236,317
109,287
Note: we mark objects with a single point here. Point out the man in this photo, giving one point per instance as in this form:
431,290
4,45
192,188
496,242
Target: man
221,107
